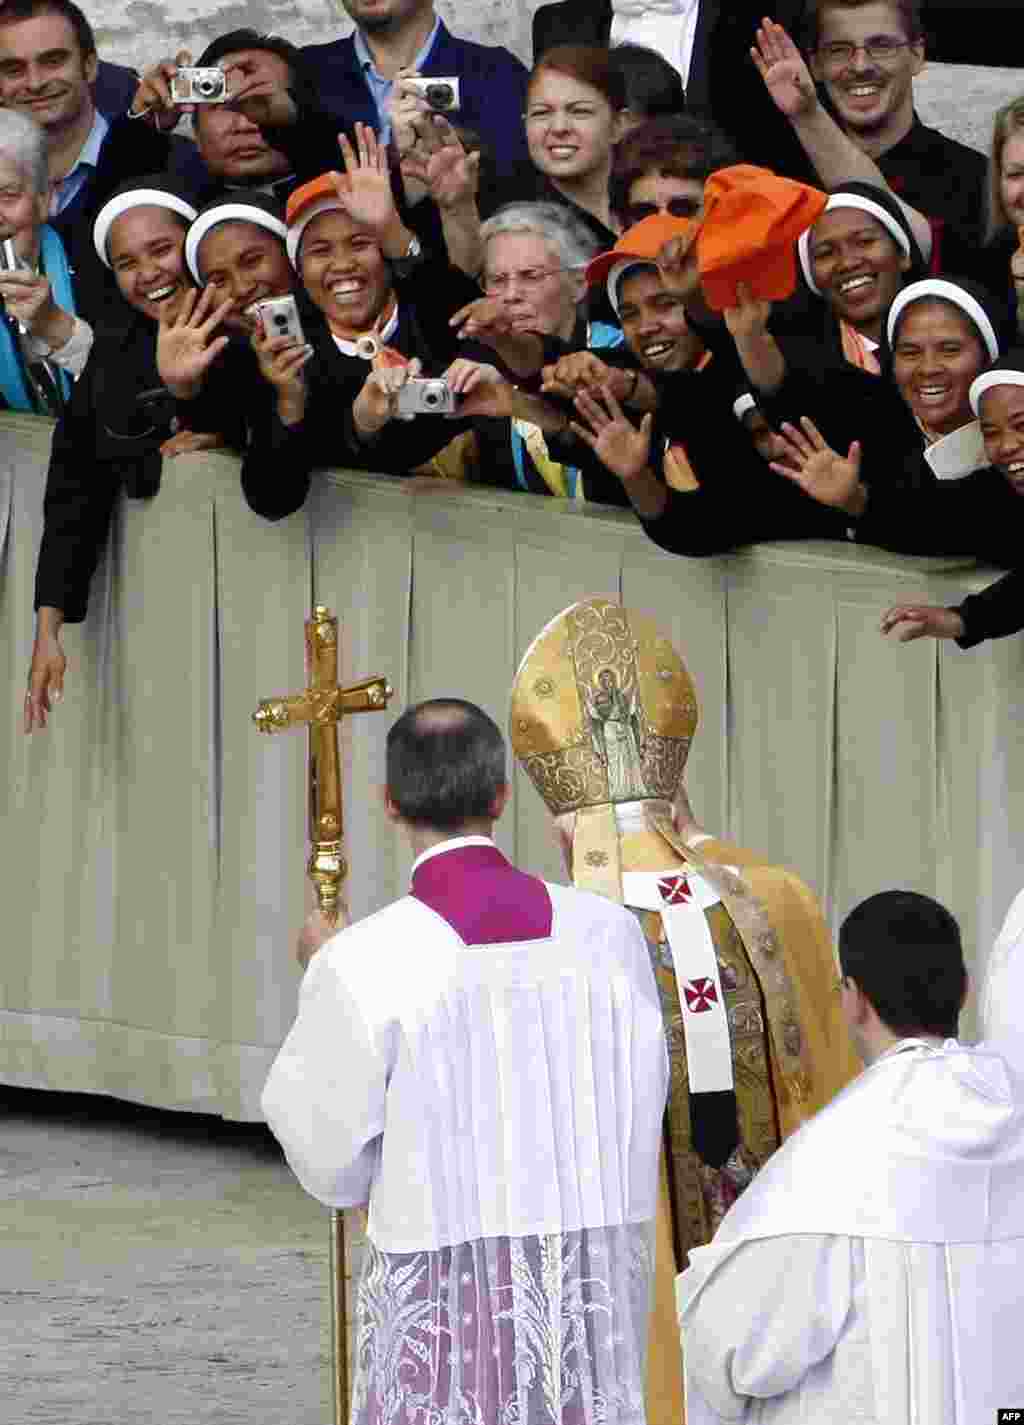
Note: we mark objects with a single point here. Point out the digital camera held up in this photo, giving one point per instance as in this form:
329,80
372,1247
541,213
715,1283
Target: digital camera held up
280,317
442,94
425,396
190,85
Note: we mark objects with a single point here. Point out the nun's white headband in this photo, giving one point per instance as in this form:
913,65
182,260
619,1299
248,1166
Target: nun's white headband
864,205
619,271
124,203
946,292
988,379
226,213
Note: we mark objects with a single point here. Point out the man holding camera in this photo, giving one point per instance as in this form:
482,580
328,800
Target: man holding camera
482,87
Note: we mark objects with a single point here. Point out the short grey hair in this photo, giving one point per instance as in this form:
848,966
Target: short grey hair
23,143
551,222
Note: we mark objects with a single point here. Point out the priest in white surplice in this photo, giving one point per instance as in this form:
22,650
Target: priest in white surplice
483,1061
874,1270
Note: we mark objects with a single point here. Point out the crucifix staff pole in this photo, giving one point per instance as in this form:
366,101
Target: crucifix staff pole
320,708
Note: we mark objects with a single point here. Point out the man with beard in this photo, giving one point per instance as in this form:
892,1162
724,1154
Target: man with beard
356,75
865,55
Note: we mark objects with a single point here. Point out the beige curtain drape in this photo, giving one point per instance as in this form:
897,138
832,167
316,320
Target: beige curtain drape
153,843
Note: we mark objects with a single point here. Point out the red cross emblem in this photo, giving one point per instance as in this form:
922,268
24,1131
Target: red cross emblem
700,994
674,890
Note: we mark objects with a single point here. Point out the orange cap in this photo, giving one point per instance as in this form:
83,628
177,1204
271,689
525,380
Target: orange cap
326,186
642,242
752,220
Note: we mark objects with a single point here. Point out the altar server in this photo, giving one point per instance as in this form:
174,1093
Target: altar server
483,1061
872,1272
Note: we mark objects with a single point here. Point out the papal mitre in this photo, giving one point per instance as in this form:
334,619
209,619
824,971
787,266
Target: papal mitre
603,714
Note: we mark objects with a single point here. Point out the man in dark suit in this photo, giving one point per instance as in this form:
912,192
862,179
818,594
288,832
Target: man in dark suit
355,75
721,82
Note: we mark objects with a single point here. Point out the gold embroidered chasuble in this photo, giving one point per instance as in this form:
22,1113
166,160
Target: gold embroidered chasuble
603,713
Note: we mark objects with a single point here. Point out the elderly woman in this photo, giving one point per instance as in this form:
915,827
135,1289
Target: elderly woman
535,255
43,344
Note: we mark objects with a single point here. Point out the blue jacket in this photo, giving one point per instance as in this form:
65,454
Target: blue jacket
114,89
492,85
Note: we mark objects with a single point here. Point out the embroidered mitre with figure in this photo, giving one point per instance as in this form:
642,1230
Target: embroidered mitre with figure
603,714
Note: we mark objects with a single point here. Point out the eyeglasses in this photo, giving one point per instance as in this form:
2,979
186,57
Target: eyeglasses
675,207
880,48
529,278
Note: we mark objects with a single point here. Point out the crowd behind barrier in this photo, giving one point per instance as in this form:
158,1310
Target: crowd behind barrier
154,864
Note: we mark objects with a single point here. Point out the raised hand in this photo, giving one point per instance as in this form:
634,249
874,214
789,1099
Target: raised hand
452,174
409,113
748,319
483,319
281,360
255,88
377,402
910,621
188,442
820,472
28,298
487,320
481,390
677,263
781,66
366,196
316,931
186,346
615,441
153,96
581,371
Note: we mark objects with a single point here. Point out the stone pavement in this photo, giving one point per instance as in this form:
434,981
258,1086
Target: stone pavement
157,1267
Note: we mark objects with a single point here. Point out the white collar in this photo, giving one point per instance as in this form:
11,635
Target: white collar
916,1041
653,7
454,843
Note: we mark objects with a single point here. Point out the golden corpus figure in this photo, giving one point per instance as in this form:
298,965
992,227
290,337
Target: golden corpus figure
320,708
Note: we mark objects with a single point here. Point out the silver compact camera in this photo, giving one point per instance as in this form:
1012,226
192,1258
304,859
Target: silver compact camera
190,85
425,396
441,94
9,259
280,317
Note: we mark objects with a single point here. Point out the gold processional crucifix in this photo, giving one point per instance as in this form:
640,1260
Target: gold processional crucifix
320,708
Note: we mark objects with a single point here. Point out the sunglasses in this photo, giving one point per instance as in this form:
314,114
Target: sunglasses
675,208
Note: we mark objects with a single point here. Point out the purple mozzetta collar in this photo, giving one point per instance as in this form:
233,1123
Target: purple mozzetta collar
482,896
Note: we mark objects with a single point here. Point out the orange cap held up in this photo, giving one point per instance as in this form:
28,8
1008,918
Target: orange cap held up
752,219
